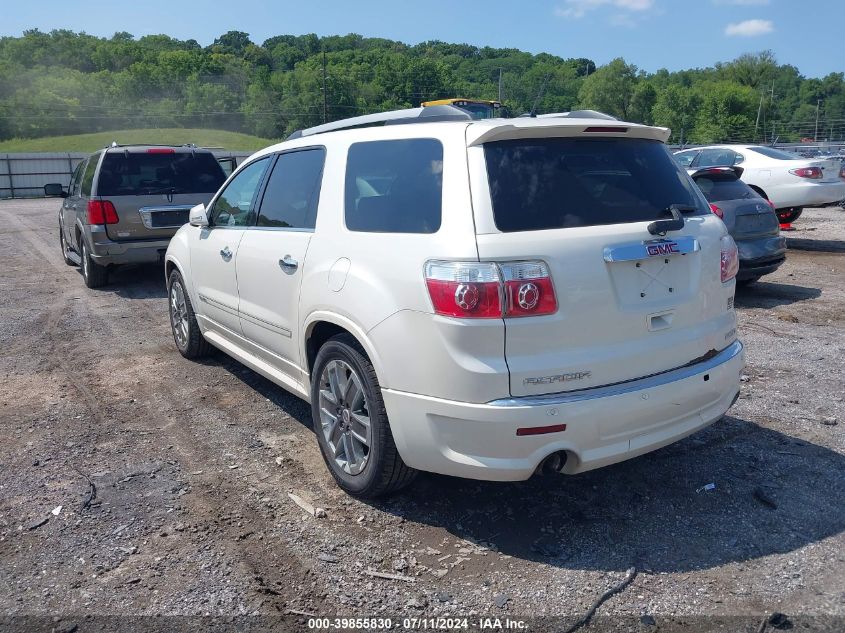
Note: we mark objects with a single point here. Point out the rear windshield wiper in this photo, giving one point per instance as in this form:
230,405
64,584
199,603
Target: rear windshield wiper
675,224
170,190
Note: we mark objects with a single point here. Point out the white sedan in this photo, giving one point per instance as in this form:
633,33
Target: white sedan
788,180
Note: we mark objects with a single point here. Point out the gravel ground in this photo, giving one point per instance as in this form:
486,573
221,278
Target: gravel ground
193,463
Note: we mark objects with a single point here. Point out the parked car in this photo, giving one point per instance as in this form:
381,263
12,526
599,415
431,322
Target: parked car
788,180
125,202
750,219
484,299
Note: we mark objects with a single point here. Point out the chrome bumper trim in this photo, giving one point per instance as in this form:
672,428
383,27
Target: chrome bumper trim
648,382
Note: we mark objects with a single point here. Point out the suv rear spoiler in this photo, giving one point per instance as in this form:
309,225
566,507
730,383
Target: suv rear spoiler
480,132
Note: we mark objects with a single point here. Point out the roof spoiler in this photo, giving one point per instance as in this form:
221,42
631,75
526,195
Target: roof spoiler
719,169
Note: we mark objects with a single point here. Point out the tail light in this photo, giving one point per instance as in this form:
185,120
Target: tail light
813,173
729,258
488,290
842,172
101,212
717,211
772,205
528,289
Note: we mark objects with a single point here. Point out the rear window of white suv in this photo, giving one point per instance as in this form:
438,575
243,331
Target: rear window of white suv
554,183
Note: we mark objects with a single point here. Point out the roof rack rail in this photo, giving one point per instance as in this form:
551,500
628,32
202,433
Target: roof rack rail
116,144
430,114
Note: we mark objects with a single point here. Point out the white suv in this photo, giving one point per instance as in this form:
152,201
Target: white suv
485,299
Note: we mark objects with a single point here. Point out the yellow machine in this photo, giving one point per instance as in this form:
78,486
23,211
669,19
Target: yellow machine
478,108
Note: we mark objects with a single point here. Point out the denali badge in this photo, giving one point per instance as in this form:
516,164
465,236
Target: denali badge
548,380
662,248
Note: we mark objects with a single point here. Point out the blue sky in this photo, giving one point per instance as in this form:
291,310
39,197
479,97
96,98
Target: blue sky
652,34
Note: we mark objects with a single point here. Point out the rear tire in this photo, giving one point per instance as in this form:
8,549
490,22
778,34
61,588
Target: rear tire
345,393
183,321
63,246
787,216
95,276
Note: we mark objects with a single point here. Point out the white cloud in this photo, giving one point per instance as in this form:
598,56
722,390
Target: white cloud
743,3
575,9
749,28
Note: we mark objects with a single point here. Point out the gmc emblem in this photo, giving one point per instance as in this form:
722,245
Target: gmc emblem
664,248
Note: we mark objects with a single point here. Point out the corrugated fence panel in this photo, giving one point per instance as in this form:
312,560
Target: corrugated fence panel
24,175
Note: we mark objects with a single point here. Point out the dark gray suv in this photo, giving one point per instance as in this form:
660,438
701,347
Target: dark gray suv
125,202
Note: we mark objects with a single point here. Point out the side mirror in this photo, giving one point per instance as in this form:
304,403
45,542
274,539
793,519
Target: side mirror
198,216
54,190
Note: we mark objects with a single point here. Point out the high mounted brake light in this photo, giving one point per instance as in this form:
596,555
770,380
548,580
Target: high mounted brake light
161,150
489,290
609,128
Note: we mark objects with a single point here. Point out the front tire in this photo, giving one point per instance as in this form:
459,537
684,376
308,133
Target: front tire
351,423
95,276
183,321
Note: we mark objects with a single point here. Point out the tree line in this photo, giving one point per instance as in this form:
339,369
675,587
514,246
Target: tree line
64,82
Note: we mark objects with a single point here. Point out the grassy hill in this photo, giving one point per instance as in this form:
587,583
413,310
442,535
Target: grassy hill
91,142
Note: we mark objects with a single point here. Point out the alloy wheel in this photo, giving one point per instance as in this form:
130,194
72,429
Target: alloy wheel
179,314
344,417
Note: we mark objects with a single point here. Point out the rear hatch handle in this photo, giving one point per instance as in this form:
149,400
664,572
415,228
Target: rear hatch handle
661,227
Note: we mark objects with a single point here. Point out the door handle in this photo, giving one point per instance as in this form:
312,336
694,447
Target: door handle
226,254
288,264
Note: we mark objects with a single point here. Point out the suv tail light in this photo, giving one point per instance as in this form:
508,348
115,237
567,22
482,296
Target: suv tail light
101,212
729,258
528,289
488,290
813,173
717,211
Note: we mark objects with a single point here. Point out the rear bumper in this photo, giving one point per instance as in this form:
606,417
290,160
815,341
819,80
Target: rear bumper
806,194
604,425
105,251
760,256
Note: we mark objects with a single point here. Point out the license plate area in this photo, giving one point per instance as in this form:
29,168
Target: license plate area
164,217
654,273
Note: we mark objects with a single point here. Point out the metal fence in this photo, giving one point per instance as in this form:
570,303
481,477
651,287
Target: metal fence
24,175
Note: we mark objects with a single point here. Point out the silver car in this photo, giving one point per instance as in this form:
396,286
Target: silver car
125,202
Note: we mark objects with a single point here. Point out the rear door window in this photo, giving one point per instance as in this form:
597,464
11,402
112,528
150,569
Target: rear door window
293,190
159,171
554,183
73,188
716,158
88,175
394,186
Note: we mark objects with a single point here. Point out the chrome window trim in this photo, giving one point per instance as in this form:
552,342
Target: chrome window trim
639,384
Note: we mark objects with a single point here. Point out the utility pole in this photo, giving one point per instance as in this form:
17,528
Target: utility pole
501,91
816,134
325,92
757,122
